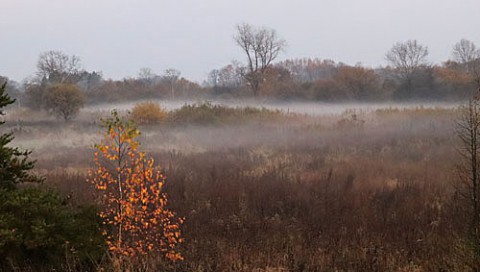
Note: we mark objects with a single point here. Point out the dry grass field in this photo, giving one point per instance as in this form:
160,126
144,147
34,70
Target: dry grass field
265,190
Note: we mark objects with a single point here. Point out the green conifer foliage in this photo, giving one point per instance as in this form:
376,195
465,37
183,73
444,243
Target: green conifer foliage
14,163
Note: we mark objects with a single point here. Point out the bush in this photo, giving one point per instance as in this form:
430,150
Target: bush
63,100
148,113
211,114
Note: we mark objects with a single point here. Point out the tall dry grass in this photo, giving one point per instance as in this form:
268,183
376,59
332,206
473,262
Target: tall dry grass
372,192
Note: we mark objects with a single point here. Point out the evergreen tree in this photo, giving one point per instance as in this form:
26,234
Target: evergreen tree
39,230
14,163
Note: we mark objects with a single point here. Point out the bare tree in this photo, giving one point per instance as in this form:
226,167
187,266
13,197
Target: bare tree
468,131
407,58
171,75
465,51
230,76
57,66
468,56
146,75
262,46
213,77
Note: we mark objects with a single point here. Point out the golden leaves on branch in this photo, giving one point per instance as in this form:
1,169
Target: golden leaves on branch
135,217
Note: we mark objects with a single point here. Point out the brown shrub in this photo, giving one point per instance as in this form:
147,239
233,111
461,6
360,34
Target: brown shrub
148,113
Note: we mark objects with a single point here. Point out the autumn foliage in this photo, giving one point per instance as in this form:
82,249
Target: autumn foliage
137,223
148,113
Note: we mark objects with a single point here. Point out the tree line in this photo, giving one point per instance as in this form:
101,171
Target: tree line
408,76
61,87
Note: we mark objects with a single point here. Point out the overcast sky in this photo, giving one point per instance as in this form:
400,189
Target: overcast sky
118,37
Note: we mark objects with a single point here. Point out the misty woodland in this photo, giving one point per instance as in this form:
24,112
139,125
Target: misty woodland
160,173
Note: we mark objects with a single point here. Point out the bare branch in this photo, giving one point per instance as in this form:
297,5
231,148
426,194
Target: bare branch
262,47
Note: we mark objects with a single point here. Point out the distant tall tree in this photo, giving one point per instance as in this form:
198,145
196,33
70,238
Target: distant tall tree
171,76
213,77
63,100
228,76
465,51
310,70
89,80
146,75
407,58
278,82
261,46
358,83
14,163
56,66
468,56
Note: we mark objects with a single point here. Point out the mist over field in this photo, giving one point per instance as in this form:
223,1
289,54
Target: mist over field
307,108
301,165
350,182
242,173
273,127
249,136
